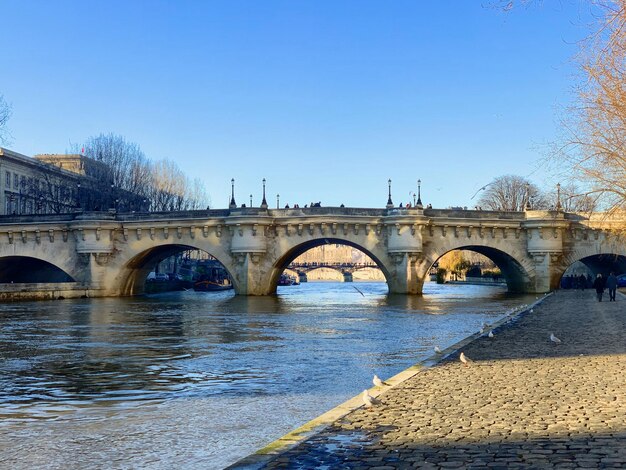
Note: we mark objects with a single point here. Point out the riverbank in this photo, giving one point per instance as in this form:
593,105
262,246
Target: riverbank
524,402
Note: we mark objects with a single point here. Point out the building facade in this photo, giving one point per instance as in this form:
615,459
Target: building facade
48,184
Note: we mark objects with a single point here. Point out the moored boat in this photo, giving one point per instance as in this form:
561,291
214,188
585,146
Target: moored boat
287,280
209,286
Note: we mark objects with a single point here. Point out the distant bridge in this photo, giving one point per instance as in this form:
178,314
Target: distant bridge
347,269
110,254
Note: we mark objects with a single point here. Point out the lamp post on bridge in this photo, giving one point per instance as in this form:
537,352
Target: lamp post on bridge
250,200
112,195
389,201
278,201
233,204
558,197
528,205
11,204
264,201
419,195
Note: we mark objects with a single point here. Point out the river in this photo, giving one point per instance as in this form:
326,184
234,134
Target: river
189,380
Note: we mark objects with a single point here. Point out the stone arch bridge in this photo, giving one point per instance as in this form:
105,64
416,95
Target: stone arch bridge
108,254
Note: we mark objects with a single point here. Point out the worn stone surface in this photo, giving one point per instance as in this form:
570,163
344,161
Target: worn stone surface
524,402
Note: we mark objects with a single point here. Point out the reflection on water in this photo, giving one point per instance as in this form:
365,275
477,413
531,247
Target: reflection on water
206,378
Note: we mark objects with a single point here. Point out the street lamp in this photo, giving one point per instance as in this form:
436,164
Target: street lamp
558,196
233,204
263,202
389,201
78,195
250,200
412,193
528,206
278,201
419,195
481,189
11,201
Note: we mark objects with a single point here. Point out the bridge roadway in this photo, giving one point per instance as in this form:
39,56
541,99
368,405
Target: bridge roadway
109,254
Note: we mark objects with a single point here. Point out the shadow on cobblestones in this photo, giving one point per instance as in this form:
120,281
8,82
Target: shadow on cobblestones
595,452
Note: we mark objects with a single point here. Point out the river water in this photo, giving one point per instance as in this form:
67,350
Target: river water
199,380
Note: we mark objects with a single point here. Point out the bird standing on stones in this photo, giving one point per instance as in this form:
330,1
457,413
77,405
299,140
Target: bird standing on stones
490,334
554,339
532,310
437,350
464,360
369,400
378,382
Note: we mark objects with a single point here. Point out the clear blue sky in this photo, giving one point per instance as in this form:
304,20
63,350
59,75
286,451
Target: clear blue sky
325,99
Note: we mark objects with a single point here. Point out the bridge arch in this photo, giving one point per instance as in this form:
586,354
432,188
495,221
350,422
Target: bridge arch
27,269
135,270
601,261
515,271
292,253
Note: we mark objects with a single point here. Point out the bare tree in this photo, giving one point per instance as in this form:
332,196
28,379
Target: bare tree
511,193
573,199
46,192
197,196
133,178
5,115
593,144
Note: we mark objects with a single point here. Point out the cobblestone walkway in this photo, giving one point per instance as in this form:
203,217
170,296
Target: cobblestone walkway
523,403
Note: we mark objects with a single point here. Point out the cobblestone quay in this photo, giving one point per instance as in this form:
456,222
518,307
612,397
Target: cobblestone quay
524,402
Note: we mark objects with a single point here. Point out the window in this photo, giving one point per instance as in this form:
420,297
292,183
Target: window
16,181
8,182
23,181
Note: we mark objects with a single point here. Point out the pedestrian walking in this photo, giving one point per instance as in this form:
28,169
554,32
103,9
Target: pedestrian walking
598,285
611,285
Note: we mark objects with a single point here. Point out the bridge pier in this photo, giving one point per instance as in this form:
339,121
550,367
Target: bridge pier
404,277
547,272
302,276
347,276
251,275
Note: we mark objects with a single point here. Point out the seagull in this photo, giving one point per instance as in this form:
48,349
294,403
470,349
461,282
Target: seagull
464,360
532,310
369,400
490,334
554,339
437,350
378,382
